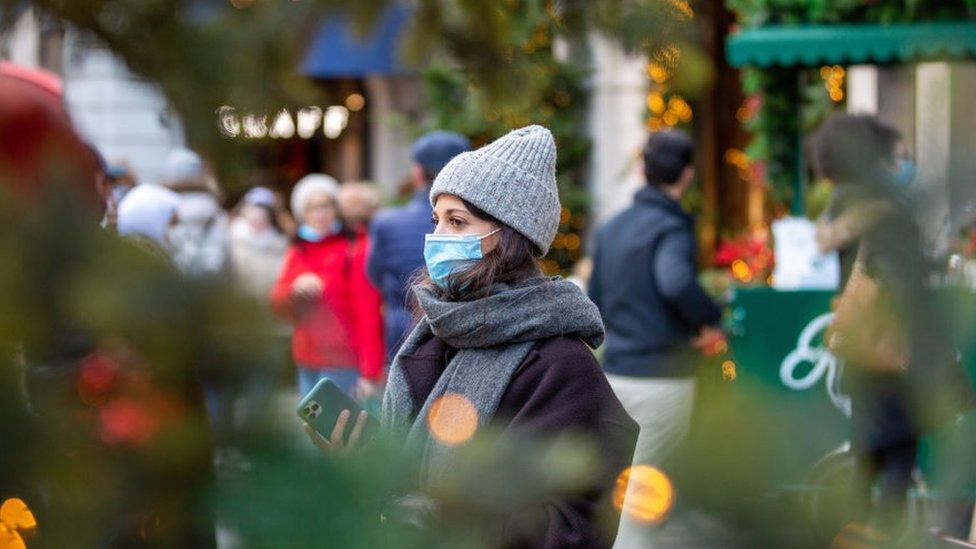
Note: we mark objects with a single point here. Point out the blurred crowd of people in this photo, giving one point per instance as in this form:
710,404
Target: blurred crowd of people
334,275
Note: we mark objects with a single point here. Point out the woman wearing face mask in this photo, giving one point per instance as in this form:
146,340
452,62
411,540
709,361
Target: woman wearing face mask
513,343
323,291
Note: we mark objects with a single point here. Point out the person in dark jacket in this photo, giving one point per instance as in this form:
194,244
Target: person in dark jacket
397,235
645,282
510,344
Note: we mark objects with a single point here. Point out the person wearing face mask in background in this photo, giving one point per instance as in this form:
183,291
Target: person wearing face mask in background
323,291
841,233
149,215
257,242
899,366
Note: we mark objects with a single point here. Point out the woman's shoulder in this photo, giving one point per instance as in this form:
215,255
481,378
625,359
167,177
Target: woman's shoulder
562,359
565,347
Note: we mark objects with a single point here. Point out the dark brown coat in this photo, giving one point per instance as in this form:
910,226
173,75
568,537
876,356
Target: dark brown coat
558,388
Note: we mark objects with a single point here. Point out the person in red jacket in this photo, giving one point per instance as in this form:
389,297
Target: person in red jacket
323,291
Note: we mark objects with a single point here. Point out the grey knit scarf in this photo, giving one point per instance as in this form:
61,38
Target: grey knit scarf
493,335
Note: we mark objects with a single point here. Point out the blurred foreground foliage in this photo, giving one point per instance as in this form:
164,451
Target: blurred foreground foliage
488,66
208,53
106,354
496,66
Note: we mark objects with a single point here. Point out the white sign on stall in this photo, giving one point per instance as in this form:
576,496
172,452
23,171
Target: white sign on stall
799,263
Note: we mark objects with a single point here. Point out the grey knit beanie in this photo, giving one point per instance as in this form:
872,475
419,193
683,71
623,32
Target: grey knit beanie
512,178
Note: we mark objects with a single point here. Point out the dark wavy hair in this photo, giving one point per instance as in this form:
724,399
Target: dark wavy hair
513,260
850,148
666,155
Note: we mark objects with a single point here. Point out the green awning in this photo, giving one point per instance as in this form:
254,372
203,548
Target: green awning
843,44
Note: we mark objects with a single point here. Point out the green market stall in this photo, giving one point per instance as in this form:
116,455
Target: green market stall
786,410
787,404
782,54
776,334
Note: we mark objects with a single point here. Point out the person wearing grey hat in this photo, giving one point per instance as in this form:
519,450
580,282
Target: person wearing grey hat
510,347
397,234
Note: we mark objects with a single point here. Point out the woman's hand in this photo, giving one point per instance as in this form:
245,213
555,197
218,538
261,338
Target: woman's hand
334,444
367,389
307,286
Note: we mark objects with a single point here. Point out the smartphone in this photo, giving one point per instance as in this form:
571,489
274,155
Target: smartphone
321,407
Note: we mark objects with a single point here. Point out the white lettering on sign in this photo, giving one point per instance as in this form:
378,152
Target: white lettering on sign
824,364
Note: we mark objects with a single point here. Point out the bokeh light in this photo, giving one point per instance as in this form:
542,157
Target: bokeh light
564,215
452,419
336,119
355,102
741,271
16,521
228,122
572,241
97,375
643,493
123,421
728,370
834,81
255,126
283,126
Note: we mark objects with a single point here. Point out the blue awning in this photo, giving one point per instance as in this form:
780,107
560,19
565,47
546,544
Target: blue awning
337,51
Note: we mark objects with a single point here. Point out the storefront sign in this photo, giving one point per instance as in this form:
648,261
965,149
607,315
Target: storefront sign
284,124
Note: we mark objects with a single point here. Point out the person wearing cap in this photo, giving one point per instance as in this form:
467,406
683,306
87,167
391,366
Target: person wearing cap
397,235
257,242
323,291
509,347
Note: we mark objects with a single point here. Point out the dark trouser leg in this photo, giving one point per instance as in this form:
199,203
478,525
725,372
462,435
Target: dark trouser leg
894,480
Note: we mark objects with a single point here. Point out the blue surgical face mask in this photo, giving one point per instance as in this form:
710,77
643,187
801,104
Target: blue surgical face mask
447,253
307,232
906,172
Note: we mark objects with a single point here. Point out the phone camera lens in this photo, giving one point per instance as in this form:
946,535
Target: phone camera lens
315,406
